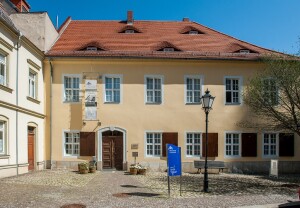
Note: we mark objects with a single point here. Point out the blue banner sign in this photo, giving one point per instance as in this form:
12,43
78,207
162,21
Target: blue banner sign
174,160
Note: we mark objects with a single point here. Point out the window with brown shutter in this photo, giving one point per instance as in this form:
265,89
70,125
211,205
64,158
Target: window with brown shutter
168,138
249,144
87,143
286,144
212,144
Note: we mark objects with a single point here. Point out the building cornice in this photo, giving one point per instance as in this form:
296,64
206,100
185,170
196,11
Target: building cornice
21,109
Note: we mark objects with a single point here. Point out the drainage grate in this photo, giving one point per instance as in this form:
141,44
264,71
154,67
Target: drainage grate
121,195
73,206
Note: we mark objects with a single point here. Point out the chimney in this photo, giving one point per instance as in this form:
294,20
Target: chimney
129,18
185,19
21,5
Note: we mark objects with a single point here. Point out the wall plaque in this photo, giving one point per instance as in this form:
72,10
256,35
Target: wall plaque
134,146
135,154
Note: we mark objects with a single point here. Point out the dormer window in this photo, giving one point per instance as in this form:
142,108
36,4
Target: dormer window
129,31
244,51
91,48
193,32
168,49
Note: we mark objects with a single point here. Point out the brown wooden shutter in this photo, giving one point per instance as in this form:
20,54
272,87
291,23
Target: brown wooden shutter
87,143
212,144
249,145
286,144
168,138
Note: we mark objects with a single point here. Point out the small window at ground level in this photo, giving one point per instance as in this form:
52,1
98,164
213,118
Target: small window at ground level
193,144
232,144
270,144
72,143
153,144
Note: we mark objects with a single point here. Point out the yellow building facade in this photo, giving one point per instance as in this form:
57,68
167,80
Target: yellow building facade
131,120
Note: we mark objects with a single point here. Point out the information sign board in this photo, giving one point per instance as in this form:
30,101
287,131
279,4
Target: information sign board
174,160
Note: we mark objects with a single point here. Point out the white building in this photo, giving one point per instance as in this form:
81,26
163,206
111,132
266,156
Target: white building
22,113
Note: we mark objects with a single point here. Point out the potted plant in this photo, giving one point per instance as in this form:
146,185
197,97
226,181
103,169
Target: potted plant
83,168
133,169
142,169
92,166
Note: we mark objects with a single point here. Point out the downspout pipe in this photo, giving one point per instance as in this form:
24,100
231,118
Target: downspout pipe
17,101
50,133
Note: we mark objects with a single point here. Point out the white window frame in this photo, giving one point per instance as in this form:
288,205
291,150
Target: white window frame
161,77
193,144
240,86
200,77
153,144
112,76
4,63
3,129
129,31
91,48
193,32
168,49
32,92
244,51
231,144
269,92
64,87
263,145
64,143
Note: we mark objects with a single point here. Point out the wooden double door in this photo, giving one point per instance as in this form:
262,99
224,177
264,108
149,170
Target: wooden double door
112,152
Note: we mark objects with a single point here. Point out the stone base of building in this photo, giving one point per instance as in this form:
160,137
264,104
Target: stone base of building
251,167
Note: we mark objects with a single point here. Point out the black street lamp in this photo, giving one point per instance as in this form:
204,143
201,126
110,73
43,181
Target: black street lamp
207,101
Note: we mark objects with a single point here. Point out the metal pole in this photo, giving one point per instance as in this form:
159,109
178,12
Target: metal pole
169,186
205,182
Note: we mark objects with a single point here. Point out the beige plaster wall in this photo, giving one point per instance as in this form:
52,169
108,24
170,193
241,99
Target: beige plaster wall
136,117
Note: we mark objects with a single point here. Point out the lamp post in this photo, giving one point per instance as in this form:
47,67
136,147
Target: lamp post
207,101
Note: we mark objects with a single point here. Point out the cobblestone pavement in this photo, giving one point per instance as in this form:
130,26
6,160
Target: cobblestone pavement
117,189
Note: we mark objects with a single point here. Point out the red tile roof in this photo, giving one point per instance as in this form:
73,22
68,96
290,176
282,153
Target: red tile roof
152,36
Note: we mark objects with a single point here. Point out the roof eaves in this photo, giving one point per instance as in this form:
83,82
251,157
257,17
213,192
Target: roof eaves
7,21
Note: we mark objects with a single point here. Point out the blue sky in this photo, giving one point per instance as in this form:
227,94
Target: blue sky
273,24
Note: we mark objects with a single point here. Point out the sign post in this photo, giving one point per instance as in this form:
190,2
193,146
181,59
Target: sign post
174,163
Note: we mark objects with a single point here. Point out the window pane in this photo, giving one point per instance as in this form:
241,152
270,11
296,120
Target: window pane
197,150
67,82
76,82
228,84
228,97
189,84
108,96
197,97
108,83
158,84
116,83
196,84
116,96
150,96
149,83
76,95
1,140
189,96
157,96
